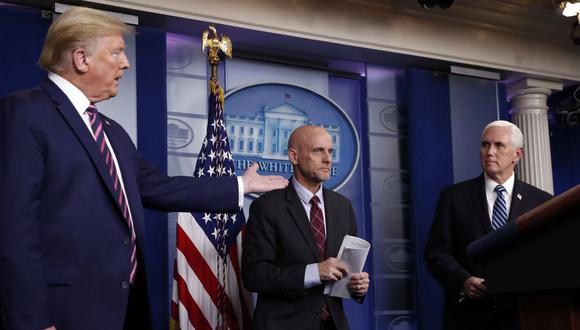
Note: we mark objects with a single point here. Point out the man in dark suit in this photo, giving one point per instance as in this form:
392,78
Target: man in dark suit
467,211
73,188
290,241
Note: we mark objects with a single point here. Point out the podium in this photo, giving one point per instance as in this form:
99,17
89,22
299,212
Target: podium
537,259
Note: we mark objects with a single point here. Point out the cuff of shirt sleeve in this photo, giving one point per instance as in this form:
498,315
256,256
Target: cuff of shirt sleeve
311,276
240,192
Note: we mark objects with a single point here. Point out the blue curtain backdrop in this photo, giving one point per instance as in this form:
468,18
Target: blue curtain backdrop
22,32
431,168
152,137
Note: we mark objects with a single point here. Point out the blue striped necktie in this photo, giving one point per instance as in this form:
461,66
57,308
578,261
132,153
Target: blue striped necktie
499,216
98,133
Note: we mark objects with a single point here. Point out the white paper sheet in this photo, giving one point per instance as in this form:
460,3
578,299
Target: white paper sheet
353,252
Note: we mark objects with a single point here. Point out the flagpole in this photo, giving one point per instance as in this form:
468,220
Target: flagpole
207,285
218,49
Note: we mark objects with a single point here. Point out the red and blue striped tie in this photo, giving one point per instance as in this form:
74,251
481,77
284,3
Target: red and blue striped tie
97,127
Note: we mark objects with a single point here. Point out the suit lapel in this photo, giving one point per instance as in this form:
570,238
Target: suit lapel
480,204
81,131
298,214
516,204
333,239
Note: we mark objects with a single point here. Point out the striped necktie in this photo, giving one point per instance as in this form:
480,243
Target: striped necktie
317,224
98,133
499,216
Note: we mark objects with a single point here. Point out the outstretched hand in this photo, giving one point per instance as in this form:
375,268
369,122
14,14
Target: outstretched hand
254,182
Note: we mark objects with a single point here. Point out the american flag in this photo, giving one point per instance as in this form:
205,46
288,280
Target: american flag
207,287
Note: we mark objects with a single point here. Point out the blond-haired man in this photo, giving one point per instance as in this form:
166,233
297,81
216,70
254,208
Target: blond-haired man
73,188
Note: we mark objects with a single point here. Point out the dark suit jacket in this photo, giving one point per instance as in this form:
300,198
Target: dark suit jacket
461,218
278,245
64,246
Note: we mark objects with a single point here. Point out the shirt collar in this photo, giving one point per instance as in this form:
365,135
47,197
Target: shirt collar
78,99
304,194
491,184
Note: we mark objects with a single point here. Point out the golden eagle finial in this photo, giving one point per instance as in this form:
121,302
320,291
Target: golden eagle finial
215,45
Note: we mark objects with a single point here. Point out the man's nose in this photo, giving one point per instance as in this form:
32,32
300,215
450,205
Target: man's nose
125,62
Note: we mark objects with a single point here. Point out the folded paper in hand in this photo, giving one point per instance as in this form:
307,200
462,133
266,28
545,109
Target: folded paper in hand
353,252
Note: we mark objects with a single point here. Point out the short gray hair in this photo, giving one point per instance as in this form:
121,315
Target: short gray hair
516,136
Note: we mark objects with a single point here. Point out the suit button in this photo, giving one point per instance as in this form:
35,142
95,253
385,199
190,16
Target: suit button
126,240
124,284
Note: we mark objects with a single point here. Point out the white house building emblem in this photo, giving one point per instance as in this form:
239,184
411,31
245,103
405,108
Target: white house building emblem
259,119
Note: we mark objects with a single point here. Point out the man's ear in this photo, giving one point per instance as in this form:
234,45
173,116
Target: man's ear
80,60
293,156
519,155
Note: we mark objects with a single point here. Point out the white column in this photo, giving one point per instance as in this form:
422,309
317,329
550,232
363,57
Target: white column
529,109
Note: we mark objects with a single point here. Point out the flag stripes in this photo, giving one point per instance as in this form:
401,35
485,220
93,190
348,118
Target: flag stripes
202,269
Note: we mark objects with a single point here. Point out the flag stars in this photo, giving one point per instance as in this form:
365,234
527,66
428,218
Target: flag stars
215,233
215,124
215,159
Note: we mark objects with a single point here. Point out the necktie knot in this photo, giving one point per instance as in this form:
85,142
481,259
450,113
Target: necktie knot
315,200
93,113
92,110
499,189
